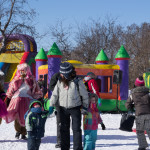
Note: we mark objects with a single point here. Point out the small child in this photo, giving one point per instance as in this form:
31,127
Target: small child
35,120
90,123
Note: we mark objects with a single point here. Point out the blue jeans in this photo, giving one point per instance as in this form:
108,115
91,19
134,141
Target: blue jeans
90,137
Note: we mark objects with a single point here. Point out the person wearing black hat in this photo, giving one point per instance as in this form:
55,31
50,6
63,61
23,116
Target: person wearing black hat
67,94
140,100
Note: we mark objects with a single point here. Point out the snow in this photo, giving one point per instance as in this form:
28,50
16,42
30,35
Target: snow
110,139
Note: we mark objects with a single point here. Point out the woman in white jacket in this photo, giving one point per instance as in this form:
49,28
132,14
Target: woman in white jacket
67,93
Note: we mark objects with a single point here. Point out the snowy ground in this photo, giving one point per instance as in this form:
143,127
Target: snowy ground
110,139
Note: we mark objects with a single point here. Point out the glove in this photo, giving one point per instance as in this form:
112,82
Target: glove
99,101
51,109
103,126
55,112
84,111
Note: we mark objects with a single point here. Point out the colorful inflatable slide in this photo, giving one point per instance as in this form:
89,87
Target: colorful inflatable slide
20,49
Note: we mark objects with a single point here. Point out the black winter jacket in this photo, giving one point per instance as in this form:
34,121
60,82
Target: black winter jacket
53,81
140,100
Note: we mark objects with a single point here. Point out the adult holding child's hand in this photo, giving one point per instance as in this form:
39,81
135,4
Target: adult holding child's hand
67,95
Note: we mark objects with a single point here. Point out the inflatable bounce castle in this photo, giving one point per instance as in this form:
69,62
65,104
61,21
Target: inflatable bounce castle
113,94
20,49
146,77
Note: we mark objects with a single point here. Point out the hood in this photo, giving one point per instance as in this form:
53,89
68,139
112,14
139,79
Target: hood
140,89
34,101
87,78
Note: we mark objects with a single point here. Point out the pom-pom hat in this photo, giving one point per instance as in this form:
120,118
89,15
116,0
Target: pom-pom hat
139,82
66,68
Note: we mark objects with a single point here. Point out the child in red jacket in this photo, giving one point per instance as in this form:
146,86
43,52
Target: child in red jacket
92,87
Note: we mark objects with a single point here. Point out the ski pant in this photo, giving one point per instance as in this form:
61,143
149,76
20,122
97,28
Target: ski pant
75,115
142,124
19,128
58,124
33,143
90,137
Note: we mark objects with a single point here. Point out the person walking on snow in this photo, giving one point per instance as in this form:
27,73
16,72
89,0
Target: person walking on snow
21,90
90,123
35,120
92,87
139,99
67,94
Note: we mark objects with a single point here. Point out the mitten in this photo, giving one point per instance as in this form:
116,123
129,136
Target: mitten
55,112
84,111
103,126
99,102
51,109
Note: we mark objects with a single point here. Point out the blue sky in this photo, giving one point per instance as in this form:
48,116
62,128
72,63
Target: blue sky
80,11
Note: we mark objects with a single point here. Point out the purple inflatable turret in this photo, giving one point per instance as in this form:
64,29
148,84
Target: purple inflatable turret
122,59
102,59
41,59
54,56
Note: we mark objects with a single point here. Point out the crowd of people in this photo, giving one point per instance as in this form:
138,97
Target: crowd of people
71,98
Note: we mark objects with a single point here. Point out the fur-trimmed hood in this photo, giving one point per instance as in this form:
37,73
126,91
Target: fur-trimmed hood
140,89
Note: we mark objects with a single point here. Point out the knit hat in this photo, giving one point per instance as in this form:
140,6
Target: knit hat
139,81
66,68
91,74
35,104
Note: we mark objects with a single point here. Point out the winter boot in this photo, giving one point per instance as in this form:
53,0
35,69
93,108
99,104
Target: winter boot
58,145
103,126
141,148
17,135
23,137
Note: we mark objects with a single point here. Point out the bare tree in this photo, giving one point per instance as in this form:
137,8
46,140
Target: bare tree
16,16
137,41
62,36
109,36
97,35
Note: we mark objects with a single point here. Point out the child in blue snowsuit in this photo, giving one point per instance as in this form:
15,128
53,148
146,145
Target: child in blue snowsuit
35,120
90,123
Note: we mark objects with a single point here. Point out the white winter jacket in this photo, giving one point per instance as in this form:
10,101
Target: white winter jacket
70,97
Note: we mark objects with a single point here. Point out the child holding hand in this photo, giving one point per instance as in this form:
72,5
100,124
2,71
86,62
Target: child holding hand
90,123
35,120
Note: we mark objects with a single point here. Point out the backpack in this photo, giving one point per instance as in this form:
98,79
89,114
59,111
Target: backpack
76,81
52,84
127,121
